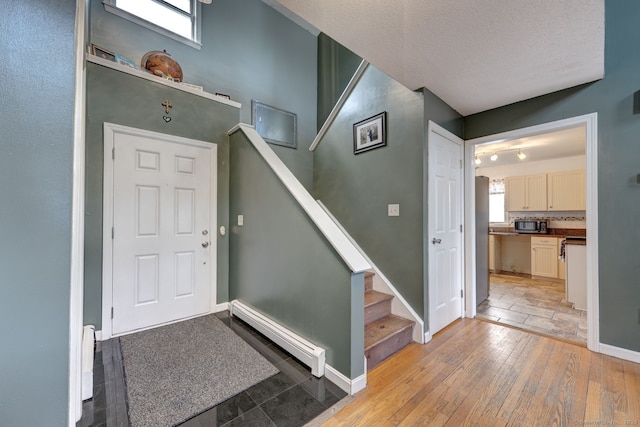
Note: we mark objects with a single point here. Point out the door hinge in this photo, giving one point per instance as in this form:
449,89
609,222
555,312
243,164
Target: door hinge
113,153
461,164
461,296
461,228
113,233
112,312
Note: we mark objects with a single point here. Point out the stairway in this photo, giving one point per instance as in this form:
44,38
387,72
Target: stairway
384,333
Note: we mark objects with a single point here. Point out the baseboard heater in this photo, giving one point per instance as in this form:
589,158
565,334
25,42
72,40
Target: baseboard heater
306,352
88,342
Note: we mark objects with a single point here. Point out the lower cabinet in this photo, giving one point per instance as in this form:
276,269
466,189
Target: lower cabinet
495,257
544,256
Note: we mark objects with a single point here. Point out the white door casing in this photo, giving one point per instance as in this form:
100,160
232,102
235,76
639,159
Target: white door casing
590,122
159,229
444,238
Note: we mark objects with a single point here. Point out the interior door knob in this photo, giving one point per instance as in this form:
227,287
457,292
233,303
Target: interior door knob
205,244
436,241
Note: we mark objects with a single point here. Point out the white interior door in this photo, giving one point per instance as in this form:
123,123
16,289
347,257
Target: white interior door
445,227
162,230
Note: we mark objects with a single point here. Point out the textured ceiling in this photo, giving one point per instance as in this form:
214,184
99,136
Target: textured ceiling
474,54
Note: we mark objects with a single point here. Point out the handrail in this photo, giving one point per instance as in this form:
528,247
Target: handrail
349,253
336,108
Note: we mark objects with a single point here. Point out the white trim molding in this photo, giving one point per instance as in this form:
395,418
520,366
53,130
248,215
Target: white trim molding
343,246
590,122
620,353
76,288
339,104
348,386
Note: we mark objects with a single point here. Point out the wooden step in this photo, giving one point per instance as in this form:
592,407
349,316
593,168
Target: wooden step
368,280
376,306
385,337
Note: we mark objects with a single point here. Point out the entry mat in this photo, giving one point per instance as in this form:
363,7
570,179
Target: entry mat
177,371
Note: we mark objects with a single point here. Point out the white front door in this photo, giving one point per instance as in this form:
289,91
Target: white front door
161,229
445,179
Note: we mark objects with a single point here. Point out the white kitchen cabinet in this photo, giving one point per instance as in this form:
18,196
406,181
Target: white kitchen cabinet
567,191
495,258
526,193
544,256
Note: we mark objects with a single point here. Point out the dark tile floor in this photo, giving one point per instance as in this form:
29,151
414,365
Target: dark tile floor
292,397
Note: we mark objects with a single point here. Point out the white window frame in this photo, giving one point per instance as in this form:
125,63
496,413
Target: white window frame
194,42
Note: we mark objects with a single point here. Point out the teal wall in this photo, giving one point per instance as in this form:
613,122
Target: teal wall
283,266
336,66
36,163
357,189
123,99
618,164
249,51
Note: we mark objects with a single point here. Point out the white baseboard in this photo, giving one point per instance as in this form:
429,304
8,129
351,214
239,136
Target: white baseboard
348,386
305,351
98,335
427,337
220,307
620,353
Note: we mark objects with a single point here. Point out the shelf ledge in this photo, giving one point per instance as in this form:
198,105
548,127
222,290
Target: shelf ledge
148,76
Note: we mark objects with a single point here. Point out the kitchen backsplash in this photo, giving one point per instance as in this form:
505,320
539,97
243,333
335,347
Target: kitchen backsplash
556,219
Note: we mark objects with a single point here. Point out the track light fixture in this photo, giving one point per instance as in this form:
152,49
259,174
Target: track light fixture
494,157
521,155
477,160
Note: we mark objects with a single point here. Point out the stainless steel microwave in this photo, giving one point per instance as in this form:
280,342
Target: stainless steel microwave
531,226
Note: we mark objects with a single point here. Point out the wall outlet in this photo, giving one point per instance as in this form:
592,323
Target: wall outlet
393,210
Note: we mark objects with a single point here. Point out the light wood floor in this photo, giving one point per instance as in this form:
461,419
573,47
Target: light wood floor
479,373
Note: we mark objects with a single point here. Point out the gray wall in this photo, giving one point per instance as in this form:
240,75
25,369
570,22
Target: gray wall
123,99
357,189
283,266
249,51
336,66
618,164
36,159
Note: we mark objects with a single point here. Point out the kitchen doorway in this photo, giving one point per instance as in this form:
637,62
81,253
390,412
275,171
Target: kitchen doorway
587,123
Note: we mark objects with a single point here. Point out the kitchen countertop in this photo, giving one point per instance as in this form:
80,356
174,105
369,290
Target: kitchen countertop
553,232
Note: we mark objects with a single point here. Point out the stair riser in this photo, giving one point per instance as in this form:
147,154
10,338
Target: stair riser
386,348
368,282
377,311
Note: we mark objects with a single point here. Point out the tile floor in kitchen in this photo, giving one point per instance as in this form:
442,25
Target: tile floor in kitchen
534,305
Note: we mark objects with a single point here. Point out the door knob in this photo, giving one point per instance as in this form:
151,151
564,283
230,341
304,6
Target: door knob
205,244
436,241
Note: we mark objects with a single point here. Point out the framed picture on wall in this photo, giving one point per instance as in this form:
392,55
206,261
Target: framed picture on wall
370,133
275,126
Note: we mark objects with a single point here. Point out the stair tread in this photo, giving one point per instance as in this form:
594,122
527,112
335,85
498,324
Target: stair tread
383,328
373,297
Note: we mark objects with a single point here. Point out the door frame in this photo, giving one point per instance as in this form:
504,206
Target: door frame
432,128
590,122
110,129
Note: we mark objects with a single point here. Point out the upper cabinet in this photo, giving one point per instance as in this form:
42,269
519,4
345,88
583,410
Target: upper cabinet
557,191
567,191
526,193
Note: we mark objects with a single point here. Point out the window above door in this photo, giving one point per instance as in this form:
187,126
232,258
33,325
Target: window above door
177,19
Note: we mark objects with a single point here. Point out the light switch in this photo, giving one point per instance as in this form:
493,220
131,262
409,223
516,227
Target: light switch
393,210
240,220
